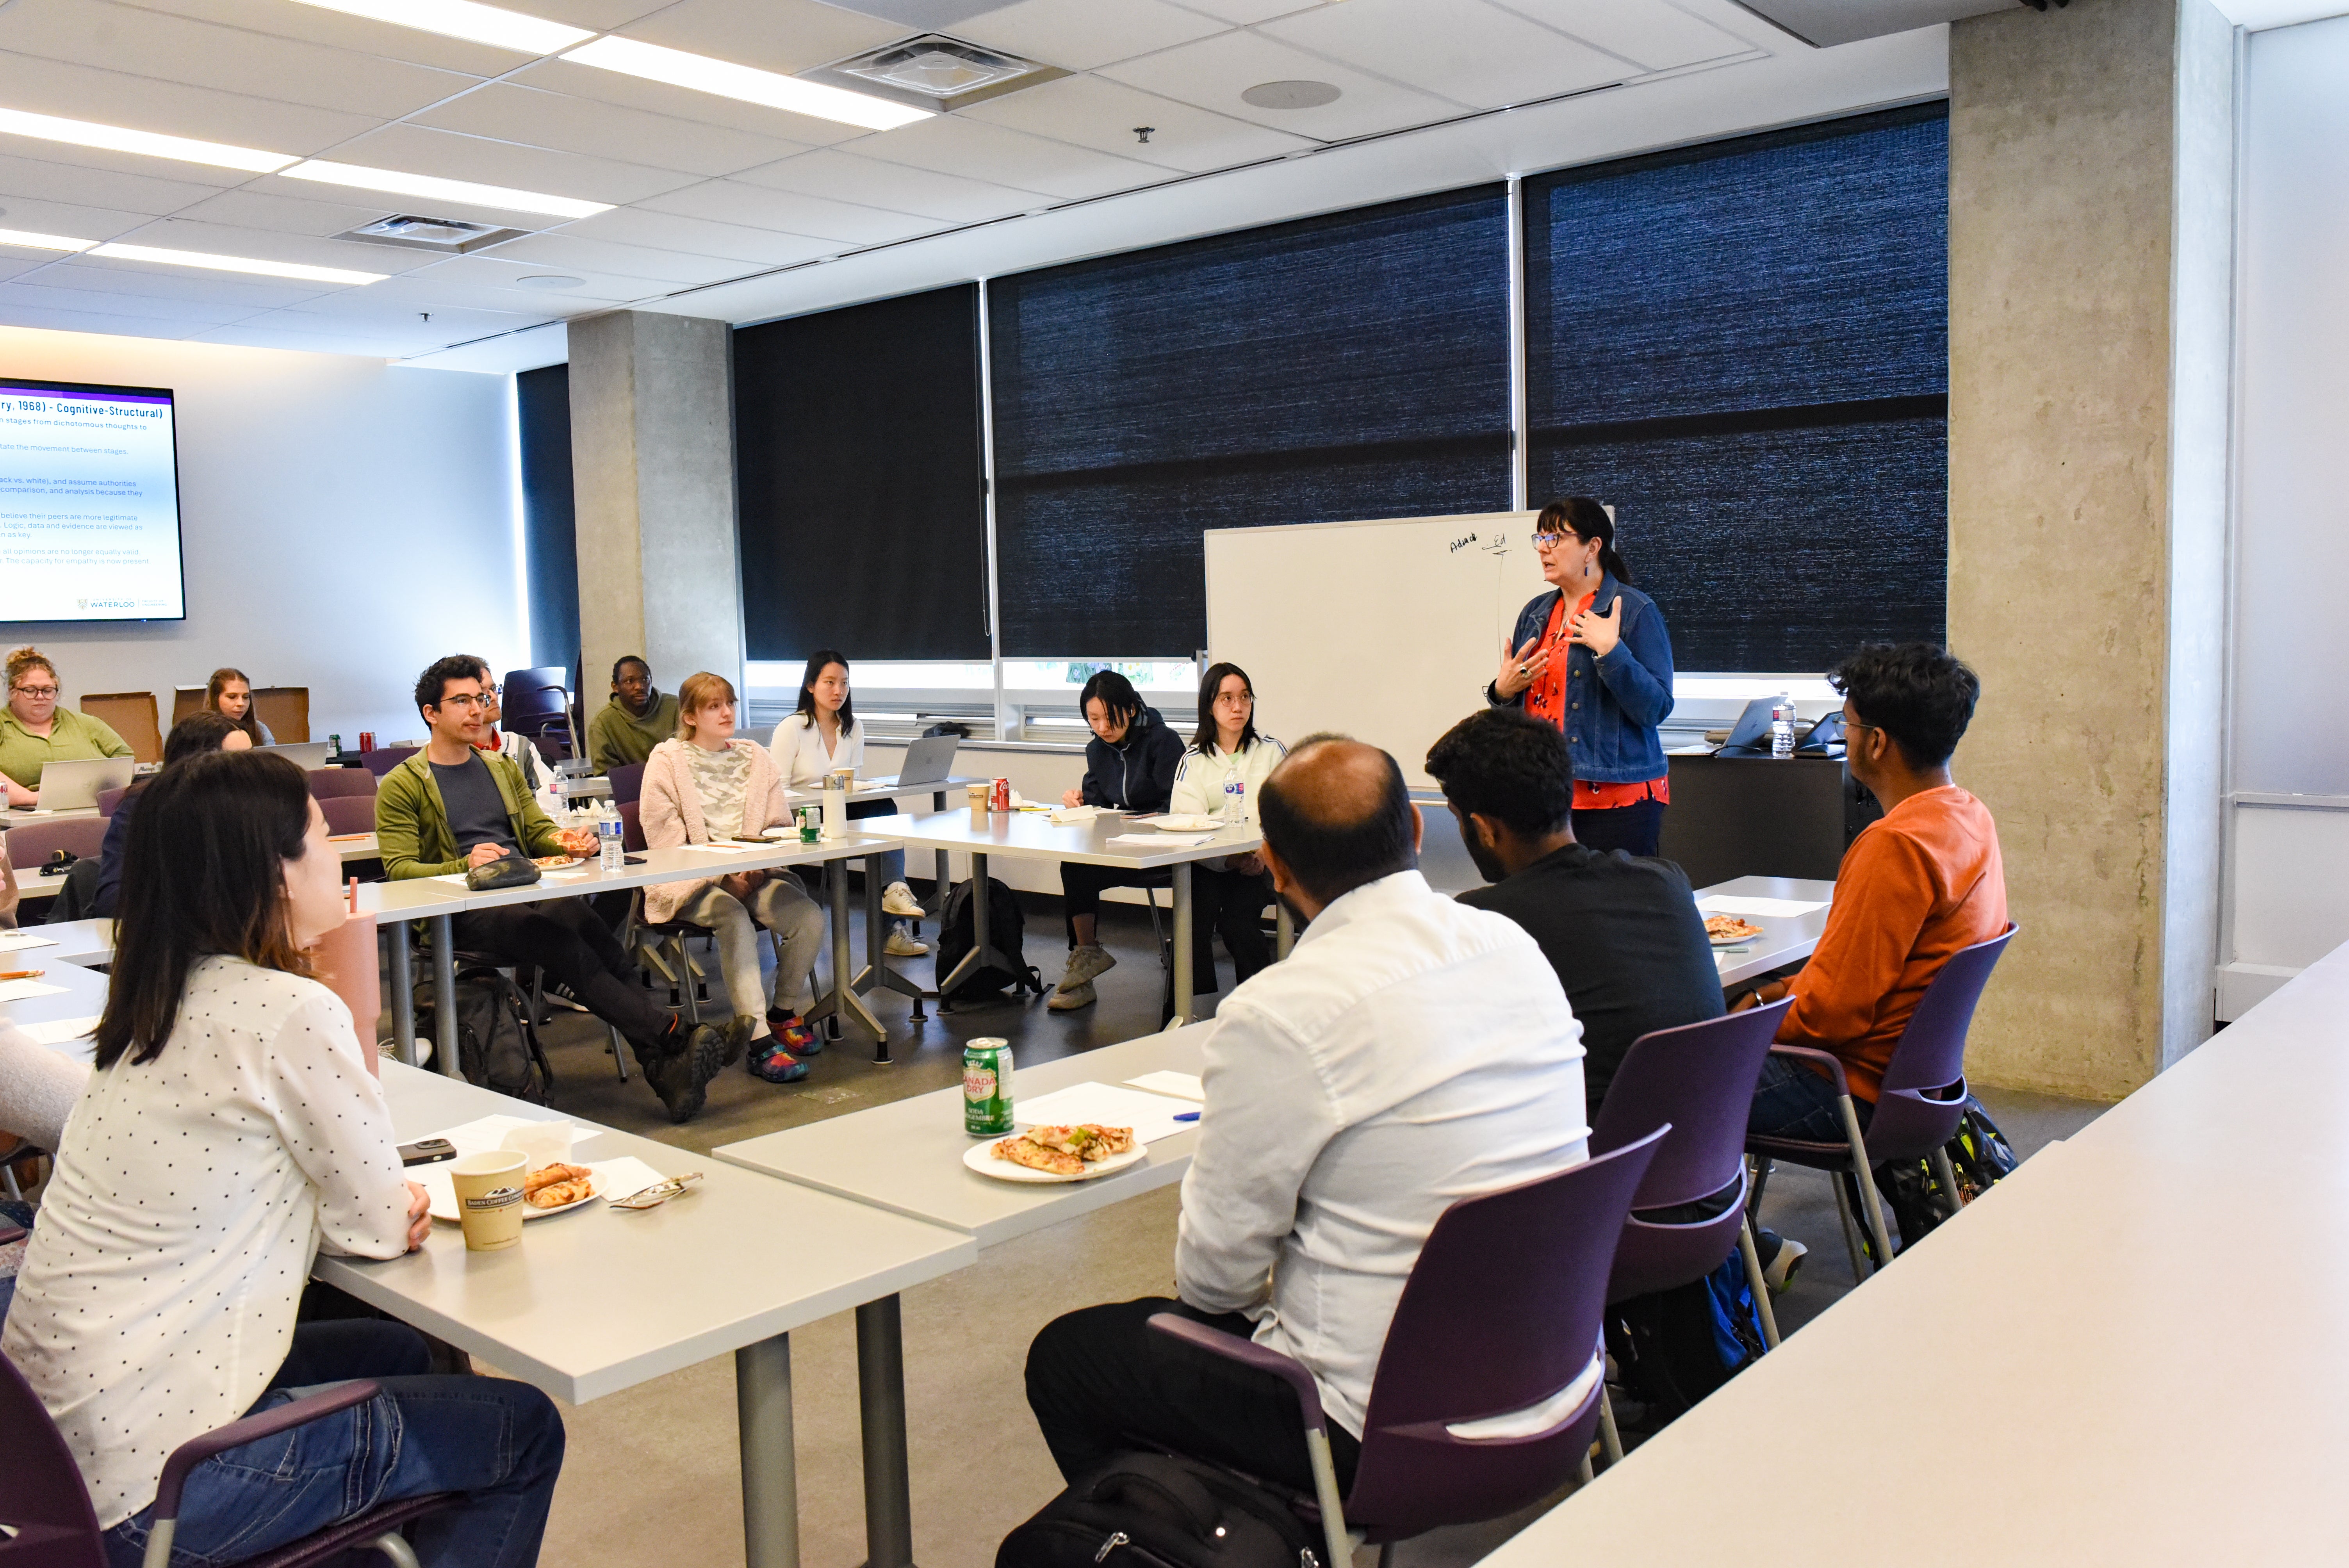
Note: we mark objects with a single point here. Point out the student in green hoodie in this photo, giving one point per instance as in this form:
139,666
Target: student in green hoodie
637,719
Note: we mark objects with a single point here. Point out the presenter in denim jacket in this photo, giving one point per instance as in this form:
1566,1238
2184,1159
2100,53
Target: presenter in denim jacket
1592,656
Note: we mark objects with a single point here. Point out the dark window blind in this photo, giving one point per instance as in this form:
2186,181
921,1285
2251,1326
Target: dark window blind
550,533
1743,348
1339,367
863,516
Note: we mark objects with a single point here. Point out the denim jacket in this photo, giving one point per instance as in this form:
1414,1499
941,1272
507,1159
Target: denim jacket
1613,704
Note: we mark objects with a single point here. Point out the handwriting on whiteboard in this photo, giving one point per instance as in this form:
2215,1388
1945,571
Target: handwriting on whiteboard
1498,545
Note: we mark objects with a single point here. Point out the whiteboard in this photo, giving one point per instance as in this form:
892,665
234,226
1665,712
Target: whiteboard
1386,631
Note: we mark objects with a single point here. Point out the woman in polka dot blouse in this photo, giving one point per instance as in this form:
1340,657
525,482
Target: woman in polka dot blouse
231,1130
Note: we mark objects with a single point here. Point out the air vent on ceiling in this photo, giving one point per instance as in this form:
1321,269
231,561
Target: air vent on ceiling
448,236
935,72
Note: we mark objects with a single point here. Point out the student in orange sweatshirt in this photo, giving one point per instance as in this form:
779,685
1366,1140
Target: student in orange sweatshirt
1914,888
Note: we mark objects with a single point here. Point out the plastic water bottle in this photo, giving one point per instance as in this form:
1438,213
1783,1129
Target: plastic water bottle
611,856
1782,725
1234,798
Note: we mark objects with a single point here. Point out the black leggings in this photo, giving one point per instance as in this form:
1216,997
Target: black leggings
1082,885
562,937
1230,904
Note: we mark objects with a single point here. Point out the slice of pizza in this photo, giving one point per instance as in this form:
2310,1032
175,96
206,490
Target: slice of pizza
1089,1140
1037,1157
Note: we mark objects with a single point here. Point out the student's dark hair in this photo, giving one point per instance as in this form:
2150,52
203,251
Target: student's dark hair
219,684
1498,763
1920,693
202,874
1582,514
434,681
1204,737
625,660
1331,852
206,729
815,672
1116,693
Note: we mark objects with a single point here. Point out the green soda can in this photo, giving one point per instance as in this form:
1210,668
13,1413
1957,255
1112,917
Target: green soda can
987,1088
808,825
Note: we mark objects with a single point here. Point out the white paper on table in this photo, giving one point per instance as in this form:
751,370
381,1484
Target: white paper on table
1152,1116
1163,840
11,941
722,849
25,990
1181,1086
1066,814
1719,903
488,1134
58,1031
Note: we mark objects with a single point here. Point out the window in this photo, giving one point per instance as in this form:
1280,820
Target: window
863,517
1340,367
549,532
1743,348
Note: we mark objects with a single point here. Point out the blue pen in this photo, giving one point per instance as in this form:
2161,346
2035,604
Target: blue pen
1186,1116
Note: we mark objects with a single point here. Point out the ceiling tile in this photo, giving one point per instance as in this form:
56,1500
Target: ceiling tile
156,281
570,124
418,149
962,144
360,344
680,103
56,290
1244,11
1214,72
278,245
1468,51
309,24
576,254
1648,31
731,202
13,314
256,209
1095,112
15,264
46,177
925,15
172,48
68,218
700,237
1078,35
596,15
437,289
144,103
845,177
486,273
786,35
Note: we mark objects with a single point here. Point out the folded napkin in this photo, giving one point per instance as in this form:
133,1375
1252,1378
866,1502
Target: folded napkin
1075,813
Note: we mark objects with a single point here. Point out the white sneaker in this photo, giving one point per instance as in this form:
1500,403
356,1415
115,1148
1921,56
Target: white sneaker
1069,998
898,899
1084,964
902,944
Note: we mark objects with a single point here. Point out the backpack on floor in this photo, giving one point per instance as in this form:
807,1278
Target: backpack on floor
1006,928
1672,1347
1156,1511
497,1048
1979,1156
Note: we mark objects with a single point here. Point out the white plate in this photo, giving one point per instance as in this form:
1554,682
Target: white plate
980,1157
610,1178
1735,941
1187,823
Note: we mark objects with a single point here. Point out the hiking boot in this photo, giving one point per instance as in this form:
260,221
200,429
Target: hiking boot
798,1035
898,899
738,1035
772,1064
902,944
682,1080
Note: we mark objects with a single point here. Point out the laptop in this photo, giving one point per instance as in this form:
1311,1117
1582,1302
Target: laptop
929,760
1751,735
75,785
303,754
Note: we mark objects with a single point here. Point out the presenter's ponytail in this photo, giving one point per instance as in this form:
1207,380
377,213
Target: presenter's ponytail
1585,516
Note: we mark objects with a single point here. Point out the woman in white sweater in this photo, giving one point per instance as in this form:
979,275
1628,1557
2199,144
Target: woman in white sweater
823,734
1225,767
233,1129
705,783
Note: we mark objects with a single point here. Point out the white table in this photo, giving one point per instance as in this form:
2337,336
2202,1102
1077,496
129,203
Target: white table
1786,938
81,992
1033,835
596,1301
31,888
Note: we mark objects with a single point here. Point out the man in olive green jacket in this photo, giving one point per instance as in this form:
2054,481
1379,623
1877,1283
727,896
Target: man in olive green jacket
411,821
637,719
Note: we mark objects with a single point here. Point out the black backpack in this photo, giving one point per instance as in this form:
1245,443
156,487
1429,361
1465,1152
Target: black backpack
1980,1156
497,1047
1006,928
1156,1511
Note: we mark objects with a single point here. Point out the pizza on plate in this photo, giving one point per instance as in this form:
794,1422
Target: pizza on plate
1729,928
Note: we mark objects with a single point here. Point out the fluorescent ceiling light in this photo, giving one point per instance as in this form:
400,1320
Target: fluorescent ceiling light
406,184
238,265
723,79
464,19
114,138
43,242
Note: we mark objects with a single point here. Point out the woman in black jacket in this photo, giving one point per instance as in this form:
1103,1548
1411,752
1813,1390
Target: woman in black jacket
1130,765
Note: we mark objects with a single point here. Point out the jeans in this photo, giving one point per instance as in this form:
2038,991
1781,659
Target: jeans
1102,1383
496,1442
1793,1101
562,937
779,906
1636,830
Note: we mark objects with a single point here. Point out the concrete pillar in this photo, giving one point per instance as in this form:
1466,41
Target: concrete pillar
652,464
2091,234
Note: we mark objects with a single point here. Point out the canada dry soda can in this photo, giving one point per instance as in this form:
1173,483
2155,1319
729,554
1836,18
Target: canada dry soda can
987,1088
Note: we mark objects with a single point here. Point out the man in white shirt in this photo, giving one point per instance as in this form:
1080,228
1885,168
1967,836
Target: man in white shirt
1411,1052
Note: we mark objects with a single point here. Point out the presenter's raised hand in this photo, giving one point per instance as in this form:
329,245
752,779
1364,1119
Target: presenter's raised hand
1520,669
1597,633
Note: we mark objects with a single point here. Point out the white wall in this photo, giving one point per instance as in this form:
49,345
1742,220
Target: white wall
2288,871
343,522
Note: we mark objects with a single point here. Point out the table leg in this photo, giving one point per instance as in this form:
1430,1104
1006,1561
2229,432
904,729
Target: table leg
770,1487
939,889
444,994
1183,998
881,1400
842,1000
978,934
401,965
1283,929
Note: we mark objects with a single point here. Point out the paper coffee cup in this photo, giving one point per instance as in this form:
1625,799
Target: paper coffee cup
978,794
489,1198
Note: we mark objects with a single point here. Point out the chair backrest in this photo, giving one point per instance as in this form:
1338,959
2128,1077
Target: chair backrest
349,814
42,1497
186,700
1501,1313
30,844
130,715
1699,1078
632,827
107,800
326,783
286,710
384,758
1922,1099
627,782
533,694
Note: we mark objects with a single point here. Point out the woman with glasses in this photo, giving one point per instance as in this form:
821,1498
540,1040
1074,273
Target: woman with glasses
1219,776
35,731
1592,657
229,695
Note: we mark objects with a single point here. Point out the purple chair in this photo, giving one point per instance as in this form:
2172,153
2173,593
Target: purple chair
30,844
107,800
327,783
384,758
1500,1319
627,782
1917,1111
50,1522
349,814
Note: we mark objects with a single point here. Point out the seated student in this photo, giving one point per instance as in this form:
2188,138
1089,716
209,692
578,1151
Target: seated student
1915,887
1130,765
636,719
203,731
705,783
536,774
1222,773
35,731
824,733
230,1132
1622,931
451,808
1411,1052
229,695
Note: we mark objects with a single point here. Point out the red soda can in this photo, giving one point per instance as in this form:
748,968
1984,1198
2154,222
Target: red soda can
1002,795
367,740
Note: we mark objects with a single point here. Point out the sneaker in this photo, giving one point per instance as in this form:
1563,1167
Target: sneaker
682,1080
772,1064
798,1035
901,943
1780,1257
1068,999
898,899
1085,964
